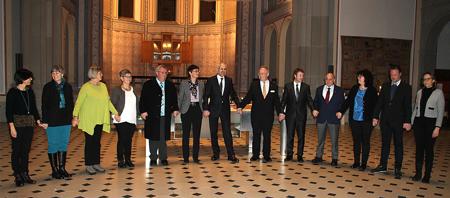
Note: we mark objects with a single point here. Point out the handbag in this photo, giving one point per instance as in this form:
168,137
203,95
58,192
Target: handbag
24,121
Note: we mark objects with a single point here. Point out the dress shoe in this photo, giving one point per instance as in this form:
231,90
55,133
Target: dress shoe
197,161
362,167
233,159
398,173
379,169
185,161
355,165
153,162
426,179
254,158
98,168
121,164
19,180
215,158
300,159
267,159
334,162
317,160
129,163
26,178
288,158
416,177
90,170
164,162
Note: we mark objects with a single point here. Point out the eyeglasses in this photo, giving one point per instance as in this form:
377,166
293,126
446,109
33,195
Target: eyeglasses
425,79
127,76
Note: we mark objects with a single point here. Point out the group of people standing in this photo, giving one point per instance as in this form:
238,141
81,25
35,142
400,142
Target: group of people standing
159,101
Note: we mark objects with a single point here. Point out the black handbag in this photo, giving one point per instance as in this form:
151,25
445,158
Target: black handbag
24,121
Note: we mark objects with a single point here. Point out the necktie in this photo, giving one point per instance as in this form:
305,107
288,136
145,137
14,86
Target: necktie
297,92
221,85
393,89
264,90
163,100
327,97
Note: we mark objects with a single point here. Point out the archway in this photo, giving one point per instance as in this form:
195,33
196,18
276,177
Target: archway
284,64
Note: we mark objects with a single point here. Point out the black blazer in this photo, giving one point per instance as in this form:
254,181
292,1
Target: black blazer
291,106
150,102
218,102
398,110
262,108
51,113
369,102
327,111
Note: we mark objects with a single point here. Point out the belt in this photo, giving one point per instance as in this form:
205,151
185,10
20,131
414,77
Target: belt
195,103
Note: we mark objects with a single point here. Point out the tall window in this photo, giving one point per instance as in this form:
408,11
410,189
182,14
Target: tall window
126,8
207,11
167,10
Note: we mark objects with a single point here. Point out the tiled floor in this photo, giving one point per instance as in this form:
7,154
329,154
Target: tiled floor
222,179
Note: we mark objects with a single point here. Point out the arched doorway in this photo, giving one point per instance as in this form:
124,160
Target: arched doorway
284,64
270,51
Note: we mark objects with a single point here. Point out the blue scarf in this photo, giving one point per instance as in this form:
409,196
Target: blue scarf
60,89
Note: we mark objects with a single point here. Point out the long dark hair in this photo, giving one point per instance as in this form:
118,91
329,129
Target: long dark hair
368,77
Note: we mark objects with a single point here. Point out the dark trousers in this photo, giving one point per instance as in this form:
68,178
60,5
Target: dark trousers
423,130
192,119
158,149
263,127
92,146
389,129
361,132
226,131
21,149
125,133
292,125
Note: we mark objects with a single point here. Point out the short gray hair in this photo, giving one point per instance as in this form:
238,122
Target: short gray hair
124,72
93,71
159,68
57,68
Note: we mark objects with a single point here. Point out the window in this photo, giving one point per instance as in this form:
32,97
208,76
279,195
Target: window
167,10
126,8
207,11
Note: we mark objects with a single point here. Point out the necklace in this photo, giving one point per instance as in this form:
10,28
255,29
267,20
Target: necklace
27,102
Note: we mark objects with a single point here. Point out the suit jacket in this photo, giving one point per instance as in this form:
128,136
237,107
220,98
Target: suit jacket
369,100
434,108
118,99
262,108
51,113
150,102
296,109
327,111
184,95
214,101
398,110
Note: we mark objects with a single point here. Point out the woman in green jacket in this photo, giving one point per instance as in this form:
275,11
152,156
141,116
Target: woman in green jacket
92,115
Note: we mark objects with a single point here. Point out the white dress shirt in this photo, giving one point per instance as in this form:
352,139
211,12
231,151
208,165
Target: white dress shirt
325,89
299,87
129,110
262,84
223,82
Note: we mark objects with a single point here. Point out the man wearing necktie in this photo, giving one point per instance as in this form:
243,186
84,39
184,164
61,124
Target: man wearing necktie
219,91
294,103
393,108
327,102
158,103
263,95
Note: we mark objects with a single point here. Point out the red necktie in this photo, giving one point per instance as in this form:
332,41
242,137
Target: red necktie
327,97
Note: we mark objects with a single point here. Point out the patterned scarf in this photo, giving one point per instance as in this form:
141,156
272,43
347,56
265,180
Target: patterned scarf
60,89
193,88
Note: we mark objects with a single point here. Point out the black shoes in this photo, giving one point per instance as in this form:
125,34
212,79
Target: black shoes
153,162
121,164
379,169
26,178
317,160
426,179
233,159
416,177
355,165
215,158
164,162
129,163
334,162
267,159
300,159
288,158
254,158
197,161
53,159
398,173
362,167
19,180
62,165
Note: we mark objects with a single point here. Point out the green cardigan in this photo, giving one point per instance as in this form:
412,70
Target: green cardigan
92,107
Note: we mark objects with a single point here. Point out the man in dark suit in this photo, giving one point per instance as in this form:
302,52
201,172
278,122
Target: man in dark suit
157,104
327,102
216,104
264,97
394,105
296,98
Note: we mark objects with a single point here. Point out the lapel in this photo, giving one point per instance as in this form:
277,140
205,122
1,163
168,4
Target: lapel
300,93
396,91
218,85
